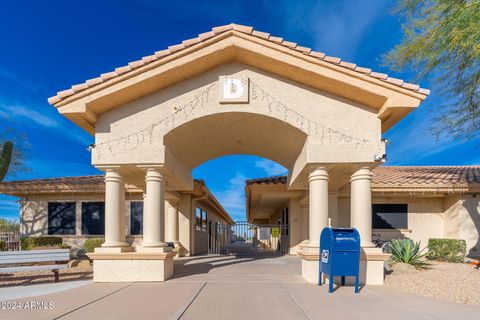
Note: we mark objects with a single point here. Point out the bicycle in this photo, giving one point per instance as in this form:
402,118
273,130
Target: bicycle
379,243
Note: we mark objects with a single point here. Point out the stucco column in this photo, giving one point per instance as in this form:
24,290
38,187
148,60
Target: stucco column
361,204
172,223
154,210
318,205
114,210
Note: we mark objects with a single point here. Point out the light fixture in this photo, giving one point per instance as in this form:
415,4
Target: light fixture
378,157
386,141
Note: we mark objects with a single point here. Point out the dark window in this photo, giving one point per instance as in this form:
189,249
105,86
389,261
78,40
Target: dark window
93,218
61,218
204,218
136,217
198,215
389,216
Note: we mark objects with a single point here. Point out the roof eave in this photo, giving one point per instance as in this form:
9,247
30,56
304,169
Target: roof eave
83,107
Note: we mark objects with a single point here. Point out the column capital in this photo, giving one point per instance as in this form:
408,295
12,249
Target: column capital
153,167
153,174
320,173
113,175
363,173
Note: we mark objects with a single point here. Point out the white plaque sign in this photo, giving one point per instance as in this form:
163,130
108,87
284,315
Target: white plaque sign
264,233
234,89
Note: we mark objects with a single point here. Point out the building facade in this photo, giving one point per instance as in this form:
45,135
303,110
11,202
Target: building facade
418,203
234,90
74,209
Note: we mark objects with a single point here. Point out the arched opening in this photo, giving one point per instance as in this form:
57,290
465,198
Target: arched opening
261,220
229,133
227,149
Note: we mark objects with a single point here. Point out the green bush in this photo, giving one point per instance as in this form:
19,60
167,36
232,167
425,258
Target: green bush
3,245
448,250
91,244
407,251
28,243
9,225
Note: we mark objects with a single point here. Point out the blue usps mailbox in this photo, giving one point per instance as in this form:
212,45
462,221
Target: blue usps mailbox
339,255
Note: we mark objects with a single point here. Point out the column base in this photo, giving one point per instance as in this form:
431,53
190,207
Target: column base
113,249
132,266
372,266
153,249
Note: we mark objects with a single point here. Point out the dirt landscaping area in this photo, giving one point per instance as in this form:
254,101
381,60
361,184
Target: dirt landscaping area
80,270
454,282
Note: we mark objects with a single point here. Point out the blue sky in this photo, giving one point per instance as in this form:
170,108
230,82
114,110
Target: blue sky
49,45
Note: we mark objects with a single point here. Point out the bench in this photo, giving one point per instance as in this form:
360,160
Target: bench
8,260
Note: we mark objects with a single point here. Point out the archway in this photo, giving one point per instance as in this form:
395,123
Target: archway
260,221
213,136
233,91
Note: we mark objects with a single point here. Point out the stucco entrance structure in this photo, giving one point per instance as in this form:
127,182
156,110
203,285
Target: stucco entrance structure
234,90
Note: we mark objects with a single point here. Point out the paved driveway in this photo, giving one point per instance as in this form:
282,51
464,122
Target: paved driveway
236,288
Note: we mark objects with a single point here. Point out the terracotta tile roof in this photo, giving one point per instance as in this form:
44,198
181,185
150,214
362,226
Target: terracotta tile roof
387,177
406,178
219,30
268,180
434,176
79,184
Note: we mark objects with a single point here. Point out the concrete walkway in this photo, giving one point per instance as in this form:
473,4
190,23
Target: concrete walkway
234,288
19,292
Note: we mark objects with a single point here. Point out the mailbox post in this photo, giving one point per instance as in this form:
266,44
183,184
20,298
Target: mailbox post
339,255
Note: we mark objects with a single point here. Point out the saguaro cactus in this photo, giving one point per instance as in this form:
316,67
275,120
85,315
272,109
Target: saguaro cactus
5,159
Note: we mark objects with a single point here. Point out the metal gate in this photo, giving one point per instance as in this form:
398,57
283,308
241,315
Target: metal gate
243,238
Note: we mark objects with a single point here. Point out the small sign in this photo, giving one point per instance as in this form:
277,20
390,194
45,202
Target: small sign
275,232
234,89
325,254
264,233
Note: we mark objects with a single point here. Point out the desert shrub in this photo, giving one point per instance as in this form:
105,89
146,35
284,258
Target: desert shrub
28,243
91,244
448,250
3,245
9,225
407,251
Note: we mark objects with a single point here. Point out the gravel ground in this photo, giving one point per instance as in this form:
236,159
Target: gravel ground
80,272
454,282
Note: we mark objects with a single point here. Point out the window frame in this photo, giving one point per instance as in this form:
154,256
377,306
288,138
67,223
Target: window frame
404,211
49,227
132,203
102,212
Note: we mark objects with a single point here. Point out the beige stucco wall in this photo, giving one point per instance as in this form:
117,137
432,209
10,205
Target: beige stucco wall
425,217
200,238
295,225
34,218
462,221
454,217
229,123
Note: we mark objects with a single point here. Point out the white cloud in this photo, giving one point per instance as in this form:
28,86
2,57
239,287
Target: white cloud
232,197
271,168
28,114
49,120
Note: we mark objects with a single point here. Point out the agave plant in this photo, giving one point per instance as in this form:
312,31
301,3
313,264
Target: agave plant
407,251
